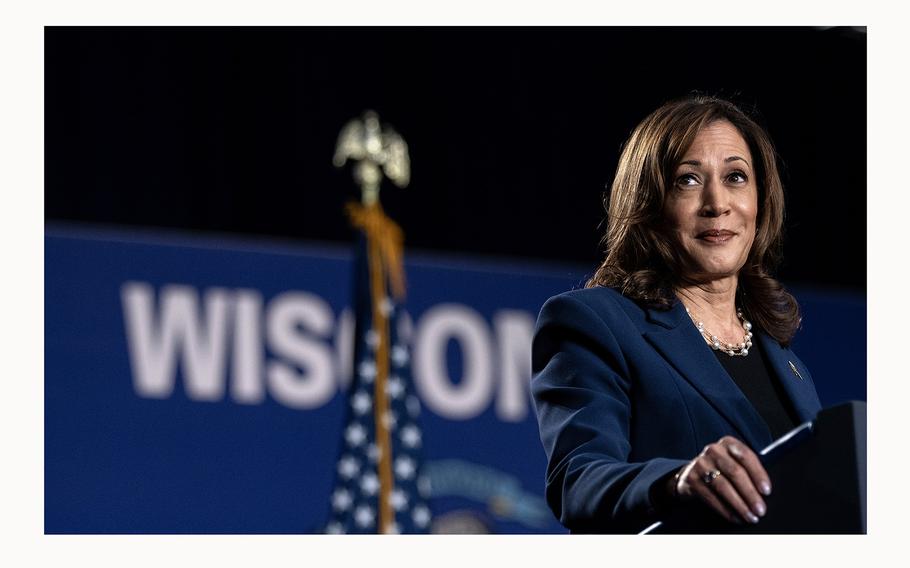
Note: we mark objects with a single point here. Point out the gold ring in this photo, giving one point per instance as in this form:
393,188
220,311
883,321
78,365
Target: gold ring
710,476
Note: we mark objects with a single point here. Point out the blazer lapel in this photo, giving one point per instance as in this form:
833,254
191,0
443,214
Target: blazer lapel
793,377
680,343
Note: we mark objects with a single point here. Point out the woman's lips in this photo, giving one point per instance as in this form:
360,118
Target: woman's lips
715,236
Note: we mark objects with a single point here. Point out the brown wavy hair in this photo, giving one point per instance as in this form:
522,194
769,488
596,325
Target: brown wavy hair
640,259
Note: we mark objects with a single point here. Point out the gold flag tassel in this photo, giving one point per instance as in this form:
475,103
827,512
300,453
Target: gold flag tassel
385,244
385,239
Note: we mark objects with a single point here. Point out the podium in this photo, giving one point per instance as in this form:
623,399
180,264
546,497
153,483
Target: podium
818,479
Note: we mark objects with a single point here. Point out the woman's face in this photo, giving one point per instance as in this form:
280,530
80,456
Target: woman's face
712,204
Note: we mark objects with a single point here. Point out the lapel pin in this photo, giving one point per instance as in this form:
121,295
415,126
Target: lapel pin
793,368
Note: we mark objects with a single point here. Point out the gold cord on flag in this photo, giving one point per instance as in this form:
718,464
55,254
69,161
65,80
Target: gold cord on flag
385,242
388,239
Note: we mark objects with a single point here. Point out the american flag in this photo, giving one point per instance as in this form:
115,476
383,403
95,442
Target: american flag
378,483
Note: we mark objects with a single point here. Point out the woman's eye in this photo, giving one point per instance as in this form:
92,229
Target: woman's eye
687,179
737,177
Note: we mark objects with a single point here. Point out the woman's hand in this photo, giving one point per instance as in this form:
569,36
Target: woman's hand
728,476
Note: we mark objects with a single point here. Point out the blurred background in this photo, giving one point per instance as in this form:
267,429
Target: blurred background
199,264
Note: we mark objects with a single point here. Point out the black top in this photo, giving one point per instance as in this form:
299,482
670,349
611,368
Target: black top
762,387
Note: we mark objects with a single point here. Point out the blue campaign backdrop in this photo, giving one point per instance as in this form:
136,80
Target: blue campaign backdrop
228,419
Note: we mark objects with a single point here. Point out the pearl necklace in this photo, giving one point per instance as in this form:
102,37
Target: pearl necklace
731,349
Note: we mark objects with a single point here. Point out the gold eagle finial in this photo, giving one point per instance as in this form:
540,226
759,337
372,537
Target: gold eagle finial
376,149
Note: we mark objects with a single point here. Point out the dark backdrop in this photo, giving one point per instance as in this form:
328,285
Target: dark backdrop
513,132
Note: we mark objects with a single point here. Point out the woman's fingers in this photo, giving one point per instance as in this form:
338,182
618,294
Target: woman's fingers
740,481
697,487
747,458
736,492
723,488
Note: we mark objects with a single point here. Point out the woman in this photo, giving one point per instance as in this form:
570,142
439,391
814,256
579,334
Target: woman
660,381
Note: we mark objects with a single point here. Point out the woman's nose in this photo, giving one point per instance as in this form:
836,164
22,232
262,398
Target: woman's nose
715,199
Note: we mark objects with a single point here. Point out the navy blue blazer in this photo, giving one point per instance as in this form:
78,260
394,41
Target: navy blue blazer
625,395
